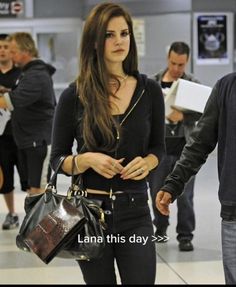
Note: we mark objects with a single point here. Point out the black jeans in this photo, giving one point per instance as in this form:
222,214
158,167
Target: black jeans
128,219
185,213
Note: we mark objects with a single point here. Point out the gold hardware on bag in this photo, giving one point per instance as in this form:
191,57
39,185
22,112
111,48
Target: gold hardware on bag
102,219
83,257
101,215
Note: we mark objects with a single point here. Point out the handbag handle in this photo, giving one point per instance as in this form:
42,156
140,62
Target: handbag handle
53,180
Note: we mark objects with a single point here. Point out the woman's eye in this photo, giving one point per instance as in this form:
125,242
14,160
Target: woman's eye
109,35
125,34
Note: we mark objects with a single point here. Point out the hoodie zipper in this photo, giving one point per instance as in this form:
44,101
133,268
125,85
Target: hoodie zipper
118,134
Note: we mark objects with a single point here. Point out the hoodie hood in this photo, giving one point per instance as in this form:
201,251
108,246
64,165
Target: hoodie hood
39,65
141,78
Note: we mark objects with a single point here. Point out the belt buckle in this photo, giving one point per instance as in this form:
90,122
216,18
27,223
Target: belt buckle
113,195
110,193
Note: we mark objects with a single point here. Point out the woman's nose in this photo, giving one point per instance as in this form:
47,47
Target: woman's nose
118,39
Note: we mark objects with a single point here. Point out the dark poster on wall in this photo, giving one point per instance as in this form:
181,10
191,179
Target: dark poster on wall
10,9
212,39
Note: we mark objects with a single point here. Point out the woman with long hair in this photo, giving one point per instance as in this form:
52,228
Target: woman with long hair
116,116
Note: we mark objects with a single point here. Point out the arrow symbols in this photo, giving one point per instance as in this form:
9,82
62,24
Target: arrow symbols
160,238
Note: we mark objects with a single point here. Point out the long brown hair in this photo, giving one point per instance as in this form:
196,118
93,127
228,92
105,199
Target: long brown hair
92,83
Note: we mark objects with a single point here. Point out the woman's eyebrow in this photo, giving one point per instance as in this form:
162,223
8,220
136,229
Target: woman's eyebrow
120,30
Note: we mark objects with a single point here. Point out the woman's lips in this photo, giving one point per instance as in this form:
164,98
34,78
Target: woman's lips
119,51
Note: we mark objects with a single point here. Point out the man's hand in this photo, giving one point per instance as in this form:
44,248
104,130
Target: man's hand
175,116
4,89
3,103
163,200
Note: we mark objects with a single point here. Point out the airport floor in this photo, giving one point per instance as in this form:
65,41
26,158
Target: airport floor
201,266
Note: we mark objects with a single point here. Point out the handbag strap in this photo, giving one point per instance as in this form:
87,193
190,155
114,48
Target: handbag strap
75,179
53,179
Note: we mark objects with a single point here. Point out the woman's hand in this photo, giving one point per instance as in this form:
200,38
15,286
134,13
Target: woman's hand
136,169
105,165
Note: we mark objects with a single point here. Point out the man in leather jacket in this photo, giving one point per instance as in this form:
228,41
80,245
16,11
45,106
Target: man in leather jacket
217,125
178,125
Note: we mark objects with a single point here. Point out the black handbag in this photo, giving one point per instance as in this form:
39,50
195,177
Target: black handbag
40,206
49,236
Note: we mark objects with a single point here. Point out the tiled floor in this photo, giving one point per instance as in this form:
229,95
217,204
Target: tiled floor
202,266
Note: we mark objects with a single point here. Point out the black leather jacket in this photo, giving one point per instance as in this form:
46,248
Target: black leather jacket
217,125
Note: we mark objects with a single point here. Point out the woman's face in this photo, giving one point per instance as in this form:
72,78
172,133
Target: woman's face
117,41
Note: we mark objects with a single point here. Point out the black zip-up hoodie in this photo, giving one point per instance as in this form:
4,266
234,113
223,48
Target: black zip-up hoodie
217,125
33,102
142,132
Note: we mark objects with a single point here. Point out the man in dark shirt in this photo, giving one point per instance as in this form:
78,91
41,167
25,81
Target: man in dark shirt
178,126
8,150
32,104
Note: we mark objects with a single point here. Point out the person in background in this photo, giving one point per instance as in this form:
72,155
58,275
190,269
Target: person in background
32,105
9,74
179,124
116,115
217,125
